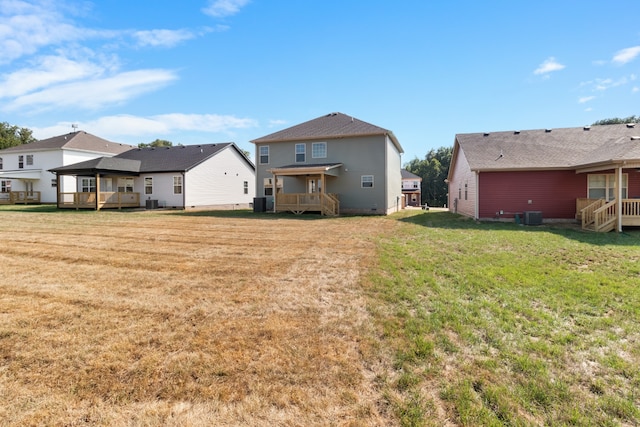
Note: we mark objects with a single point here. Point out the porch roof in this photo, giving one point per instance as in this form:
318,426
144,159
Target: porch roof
324,168
101,165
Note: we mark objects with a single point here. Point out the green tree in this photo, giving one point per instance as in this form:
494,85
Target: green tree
11,136
433,170
156,143
618,121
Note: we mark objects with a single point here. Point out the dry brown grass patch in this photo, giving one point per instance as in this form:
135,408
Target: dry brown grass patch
146,319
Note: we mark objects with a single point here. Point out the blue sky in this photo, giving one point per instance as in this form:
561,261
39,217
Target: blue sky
204,71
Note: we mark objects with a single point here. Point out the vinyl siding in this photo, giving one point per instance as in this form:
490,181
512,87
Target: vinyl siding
554,193
460,176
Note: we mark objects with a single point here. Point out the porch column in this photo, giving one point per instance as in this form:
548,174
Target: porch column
619,197
97,191
58,190
275,191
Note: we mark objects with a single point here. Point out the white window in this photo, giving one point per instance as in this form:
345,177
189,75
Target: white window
301,153
319,150
603,186
366,181
29,159
0,162
5,186
54,183
177,185
264,154
246,187
20,161
125,185
268,186
148,185
87,185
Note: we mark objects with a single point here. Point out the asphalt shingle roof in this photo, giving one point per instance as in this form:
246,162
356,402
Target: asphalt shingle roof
330,126
565,148
75,140
180,158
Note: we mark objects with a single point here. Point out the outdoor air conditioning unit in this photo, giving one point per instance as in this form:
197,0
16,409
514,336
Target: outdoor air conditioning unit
533,218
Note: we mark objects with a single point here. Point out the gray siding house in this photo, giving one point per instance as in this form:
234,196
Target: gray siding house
332,164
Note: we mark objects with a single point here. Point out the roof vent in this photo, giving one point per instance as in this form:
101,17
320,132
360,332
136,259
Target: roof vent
547,130
635,138
586,128
486,134
516,132
631,125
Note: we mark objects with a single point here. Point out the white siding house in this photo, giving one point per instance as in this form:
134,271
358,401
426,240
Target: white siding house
216,176
25,168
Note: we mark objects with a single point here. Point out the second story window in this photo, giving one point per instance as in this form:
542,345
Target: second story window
0,162
29,159
264,154
319,150
246,187
21,162
301,153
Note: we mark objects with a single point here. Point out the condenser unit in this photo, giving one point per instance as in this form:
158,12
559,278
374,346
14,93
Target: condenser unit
533,218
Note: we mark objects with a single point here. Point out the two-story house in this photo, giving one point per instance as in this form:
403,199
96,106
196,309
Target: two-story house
411,190
24,169
332,164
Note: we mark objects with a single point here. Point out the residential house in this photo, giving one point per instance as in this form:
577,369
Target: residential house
411,191
211,176
24,169
588,173
332,164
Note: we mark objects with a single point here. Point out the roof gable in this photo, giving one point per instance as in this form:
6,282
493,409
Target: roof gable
330,126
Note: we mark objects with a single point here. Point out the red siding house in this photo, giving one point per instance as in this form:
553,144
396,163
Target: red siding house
590,174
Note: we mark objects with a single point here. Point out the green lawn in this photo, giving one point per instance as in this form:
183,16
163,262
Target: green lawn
502,324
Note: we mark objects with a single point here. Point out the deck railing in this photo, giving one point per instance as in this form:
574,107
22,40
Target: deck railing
326,204
110,199
19,197
602,216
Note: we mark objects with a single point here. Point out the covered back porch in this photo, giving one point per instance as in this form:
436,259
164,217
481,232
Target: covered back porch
619,204
313,180
97,190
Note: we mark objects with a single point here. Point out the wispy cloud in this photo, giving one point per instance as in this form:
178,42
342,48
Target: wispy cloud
95,93
222,8
626,55
162,38
586,99
129,126
548,66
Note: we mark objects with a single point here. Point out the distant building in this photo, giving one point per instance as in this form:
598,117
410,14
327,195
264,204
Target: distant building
411,190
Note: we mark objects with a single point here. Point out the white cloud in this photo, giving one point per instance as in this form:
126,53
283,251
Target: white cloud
27,27
549,65
222,8
585,99
276,123
162,38
130,127
46,71
95,93
626,55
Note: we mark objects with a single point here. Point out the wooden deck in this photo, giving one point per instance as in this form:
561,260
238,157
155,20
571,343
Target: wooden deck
20,197
298,203
601,216
107,200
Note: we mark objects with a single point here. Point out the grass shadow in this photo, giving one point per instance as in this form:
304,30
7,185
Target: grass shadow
447,220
